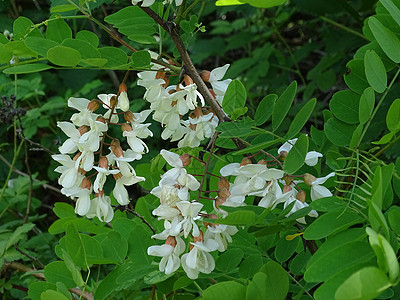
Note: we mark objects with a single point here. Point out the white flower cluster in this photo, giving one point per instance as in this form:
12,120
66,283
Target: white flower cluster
259,180
171,103
181,220
86,139
147,3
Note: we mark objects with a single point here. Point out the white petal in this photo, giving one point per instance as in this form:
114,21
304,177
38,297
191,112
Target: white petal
312,158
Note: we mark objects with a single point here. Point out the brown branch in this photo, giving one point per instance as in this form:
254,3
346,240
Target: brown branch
22,268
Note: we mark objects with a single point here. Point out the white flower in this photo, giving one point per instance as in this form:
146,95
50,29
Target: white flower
221,234
189,211
84,115
102,205
123,101
68,170
120,193
318,191
106,99
82,205
170,261
70,145
145,3
198,259
311,157
297,206
219,86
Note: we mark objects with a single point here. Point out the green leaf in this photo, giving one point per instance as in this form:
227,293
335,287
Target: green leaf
58,30
115,247
356,136
393,116
23,27
386,39
75,247
138,241
231,290
250,266
238,112
244,217
140,59
338,132
58,271
229,260
283,105
277,283
62,8
40,45
301,118
375,71
235,129
115,57
355,76
76,274
367,283
367,103
63,56
344,106
385,139
134,23
265,109
255,3
52,295
16,236
36,288
332,222
333,262
296,156
26,69
391,259
85,49
89,37
328,204
257,288
394,219
18,48
392,9
5,54
284,248
235,97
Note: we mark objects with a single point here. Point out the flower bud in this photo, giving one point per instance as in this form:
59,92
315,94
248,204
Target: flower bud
223,193
309,179
282,155
86,183
262,162
301,196
188,80
197,113
219,201
205,75
245,161
116,148
113,101
171,241
83,129
93,105
103,162
223,183
126,127
101,119
286,188
287,179
122,88
186,160
129,116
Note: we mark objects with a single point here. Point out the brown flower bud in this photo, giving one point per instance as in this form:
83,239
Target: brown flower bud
205,75
286,188
245,161
129,116
188,80
126,127
197,113
93,105
186,159
86,183
223,193
171,241
282,155
262,162
309,179
83,129
101,119
122,88
219,201
171,92
103,162
301,196
113,101
223,183
116,148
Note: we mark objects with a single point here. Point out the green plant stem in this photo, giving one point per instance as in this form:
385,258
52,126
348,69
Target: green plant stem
179,15
282,39
380,152
189,8
377,107
24,63
16,152
198,287
345,28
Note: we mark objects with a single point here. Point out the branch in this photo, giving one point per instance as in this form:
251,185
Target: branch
22,268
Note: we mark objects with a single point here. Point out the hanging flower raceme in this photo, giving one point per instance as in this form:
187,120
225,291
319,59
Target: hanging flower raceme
87,135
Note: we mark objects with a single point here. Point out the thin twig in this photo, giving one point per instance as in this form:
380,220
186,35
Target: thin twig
29,256
140,217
